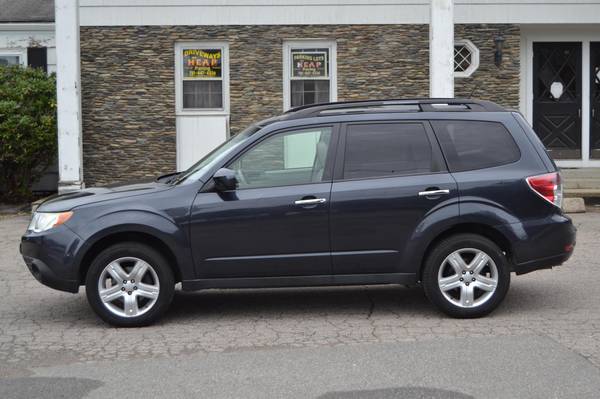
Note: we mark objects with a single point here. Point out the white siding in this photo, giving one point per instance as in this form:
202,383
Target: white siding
21,36
285,12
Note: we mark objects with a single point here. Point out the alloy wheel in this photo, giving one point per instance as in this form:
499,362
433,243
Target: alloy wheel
128,287
468,277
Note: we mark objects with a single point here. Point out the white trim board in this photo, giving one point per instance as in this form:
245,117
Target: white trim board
585,35
288,12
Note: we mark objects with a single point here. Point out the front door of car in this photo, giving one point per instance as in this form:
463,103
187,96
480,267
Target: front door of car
276,222
389,178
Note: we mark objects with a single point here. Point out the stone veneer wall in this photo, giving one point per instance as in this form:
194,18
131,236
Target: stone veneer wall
128,81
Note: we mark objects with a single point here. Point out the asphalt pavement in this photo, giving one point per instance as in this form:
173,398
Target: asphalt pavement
348,342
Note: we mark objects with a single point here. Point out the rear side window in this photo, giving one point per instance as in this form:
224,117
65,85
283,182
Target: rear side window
470,145
385,149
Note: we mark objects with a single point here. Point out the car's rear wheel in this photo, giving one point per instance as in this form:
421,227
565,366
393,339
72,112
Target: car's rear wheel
129,285
466,276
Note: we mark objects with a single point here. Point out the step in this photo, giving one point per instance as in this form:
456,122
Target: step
581,182
582,192
580,173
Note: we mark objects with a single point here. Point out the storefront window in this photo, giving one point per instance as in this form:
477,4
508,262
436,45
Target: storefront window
309,74
201,77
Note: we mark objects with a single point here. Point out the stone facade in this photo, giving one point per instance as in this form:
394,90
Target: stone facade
128,81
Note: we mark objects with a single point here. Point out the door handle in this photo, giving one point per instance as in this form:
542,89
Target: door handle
431,193
311,201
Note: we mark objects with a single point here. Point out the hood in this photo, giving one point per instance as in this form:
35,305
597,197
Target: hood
68,201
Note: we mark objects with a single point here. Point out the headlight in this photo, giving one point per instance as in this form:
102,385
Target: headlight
42,221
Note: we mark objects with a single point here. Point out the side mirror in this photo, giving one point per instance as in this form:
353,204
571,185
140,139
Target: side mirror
225,180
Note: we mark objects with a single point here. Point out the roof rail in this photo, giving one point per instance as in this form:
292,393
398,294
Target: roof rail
394,105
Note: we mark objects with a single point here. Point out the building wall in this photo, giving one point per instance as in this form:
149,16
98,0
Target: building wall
21,39
128,82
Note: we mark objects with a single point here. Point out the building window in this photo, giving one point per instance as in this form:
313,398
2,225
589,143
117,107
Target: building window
309,73
12,57
201,76
466,58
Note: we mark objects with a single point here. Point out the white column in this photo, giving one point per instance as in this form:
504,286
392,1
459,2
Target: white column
68,93
441,49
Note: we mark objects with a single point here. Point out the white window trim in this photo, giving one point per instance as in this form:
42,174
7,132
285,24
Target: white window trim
179,110
16,51
288,46
474,58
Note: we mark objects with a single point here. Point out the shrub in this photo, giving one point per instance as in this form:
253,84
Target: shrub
27,129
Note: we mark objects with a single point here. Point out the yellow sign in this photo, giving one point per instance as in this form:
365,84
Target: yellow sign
205,63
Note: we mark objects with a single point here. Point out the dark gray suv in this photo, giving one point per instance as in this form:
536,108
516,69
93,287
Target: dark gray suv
450,194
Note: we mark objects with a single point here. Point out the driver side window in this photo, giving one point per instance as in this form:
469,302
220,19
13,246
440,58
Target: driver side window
285,159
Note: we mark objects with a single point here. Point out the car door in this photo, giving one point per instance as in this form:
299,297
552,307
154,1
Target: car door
389,176
276,222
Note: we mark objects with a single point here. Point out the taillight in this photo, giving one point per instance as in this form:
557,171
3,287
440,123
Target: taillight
547,186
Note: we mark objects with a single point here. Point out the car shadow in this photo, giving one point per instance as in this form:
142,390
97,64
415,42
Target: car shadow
524,299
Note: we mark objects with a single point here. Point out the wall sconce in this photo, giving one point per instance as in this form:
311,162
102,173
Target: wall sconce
499,41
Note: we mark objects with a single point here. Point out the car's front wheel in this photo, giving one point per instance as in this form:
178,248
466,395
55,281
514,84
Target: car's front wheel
129,285
466,275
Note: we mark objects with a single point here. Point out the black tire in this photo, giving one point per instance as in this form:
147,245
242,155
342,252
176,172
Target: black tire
435,260
150,256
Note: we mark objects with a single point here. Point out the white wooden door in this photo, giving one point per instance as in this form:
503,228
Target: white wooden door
197,136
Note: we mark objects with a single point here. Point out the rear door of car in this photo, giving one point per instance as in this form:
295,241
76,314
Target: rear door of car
389,176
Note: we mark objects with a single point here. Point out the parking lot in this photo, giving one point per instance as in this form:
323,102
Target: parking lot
544,341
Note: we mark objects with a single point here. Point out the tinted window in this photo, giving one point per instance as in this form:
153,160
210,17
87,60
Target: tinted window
470,145
385,149
285,159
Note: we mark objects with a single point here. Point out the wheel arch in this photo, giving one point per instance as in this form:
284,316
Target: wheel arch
129,236
483,230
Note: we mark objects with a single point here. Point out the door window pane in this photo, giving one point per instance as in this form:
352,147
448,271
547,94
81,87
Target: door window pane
384,149
285,159
470,145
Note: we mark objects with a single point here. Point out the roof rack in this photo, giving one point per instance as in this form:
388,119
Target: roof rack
399,105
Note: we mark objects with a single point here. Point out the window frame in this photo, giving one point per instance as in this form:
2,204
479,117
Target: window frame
290,45
329,163
224,47
437,159
474,58
20,52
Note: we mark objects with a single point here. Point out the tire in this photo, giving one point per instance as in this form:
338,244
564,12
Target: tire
471,288
127,302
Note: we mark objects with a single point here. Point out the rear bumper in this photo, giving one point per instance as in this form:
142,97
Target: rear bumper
49,256
541,243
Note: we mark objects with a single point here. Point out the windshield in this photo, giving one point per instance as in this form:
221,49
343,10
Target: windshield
193,172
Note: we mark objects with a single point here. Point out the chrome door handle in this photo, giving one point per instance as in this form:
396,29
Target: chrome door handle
312,201
433,192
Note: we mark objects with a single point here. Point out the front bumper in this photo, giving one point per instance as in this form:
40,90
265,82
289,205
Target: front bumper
50,257
541,243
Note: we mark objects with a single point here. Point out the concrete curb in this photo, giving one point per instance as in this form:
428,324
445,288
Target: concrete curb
573,205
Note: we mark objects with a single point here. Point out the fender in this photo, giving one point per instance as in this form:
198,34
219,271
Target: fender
145,220
447,216
439,219
485,211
